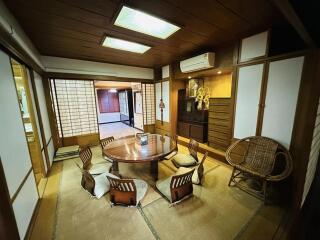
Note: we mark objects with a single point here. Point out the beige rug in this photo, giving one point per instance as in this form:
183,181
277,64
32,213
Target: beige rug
215,212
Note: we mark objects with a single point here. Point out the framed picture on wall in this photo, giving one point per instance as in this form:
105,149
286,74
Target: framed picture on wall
193,86
138,102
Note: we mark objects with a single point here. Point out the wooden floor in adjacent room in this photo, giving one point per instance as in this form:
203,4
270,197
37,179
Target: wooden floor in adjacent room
216,211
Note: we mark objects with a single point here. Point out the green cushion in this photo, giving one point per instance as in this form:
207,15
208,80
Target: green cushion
184,160
164,187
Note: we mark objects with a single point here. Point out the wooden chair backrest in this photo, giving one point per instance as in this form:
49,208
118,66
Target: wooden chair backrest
193,147
181,186
105,141
85,155
200,167
174,139
122,191
87,182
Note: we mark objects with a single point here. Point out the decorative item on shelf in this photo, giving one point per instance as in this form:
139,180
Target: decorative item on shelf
202,98
142,138
193,86
161,106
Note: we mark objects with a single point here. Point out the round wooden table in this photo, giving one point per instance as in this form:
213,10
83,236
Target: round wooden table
129,151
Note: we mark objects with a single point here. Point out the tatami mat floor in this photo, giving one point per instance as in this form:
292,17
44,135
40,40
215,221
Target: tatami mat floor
216,211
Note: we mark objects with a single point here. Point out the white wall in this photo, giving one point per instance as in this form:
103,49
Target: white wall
14,150
66,65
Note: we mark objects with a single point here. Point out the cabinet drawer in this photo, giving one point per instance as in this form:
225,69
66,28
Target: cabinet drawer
196,131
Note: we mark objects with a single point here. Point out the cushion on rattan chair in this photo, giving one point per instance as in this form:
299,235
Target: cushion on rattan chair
184,160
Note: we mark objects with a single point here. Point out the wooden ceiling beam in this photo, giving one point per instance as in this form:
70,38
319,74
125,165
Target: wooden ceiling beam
292,17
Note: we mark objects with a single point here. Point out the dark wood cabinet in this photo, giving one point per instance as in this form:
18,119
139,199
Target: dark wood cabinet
192,123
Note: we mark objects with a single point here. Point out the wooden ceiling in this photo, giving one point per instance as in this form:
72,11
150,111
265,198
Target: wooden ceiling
75,28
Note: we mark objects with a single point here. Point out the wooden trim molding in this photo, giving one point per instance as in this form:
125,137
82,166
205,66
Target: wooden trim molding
8,45
8,225
75,76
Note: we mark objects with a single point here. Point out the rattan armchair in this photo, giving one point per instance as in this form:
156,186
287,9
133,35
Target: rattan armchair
256,157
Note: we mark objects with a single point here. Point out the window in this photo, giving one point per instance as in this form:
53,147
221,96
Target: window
74,105
148,104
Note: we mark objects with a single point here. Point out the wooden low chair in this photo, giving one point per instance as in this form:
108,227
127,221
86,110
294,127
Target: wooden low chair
85,155
187,160
127,192
198,171
88,182
176,188
256,157
103,143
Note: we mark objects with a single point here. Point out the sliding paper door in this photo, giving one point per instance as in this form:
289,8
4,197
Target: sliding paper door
247,102
44,117
281,99
75,107
14,150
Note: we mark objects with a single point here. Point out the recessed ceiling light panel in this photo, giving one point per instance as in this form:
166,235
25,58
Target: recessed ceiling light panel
144,23
125,45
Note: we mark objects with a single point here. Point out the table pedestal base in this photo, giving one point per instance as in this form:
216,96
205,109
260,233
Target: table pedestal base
154,170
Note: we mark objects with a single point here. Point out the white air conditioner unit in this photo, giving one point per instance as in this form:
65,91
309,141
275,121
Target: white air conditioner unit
197,63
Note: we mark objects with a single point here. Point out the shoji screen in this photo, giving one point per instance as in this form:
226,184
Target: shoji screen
158,97
281,99
166,101
247,102
75,107
44,114
148,104
14,150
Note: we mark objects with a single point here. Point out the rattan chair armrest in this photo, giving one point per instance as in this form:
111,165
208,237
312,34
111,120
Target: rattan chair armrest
229,150
288,168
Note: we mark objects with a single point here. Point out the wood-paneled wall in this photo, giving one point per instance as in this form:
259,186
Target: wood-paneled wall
220,123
